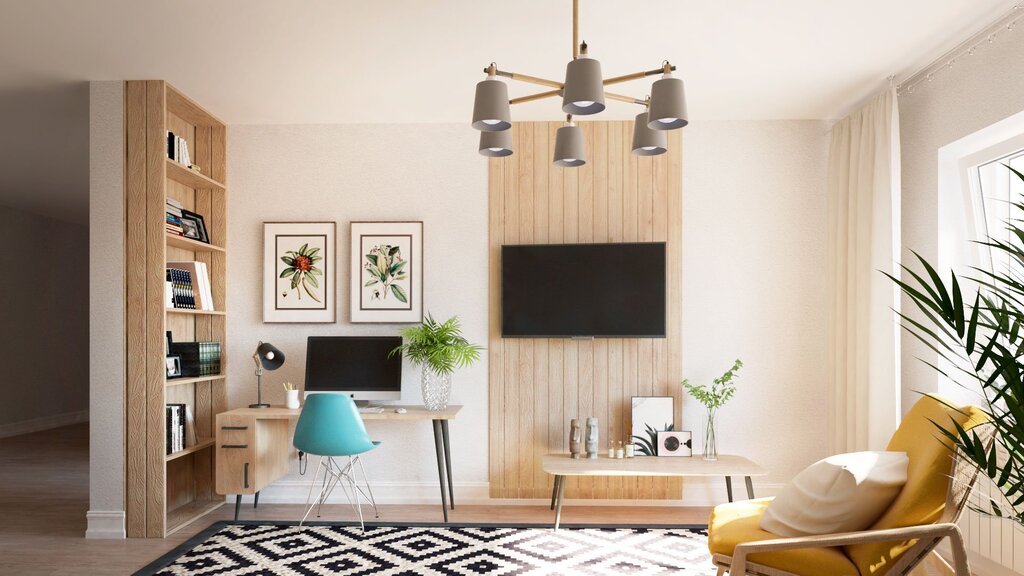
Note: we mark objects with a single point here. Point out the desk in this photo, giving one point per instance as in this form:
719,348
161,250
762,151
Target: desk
253,446
561,465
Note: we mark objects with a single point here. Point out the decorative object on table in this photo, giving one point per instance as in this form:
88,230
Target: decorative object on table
611,449
173,364
193,226
574,438
651,414
387,272
291,394
266,357
714,397
675,443
583,93
987,334
592,437
299,272
438,348
620,452
629,449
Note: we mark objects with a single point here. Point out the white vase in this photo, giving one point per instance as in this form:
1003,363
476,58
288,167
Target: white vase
292,399
437,388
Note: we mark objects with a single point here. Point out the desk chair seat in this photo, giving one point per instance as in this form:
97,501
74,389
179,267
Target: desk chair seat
330,427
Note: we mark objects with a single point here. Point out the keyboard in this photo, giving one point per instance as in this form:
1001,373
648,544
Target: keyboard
371,410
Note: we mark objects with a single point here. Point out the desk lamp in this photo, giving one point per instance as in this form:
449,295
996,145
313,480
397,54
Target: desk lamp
269,357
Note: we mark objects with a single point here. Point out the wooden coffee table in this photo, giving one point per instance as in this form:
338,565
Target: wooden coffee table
727,466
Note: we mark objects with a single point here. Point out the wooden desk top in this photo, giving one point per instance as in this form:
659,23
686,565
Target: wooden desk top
726,465
412,413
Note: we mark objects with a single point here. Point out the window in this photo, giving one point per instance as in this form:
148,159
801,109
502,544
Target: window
999,189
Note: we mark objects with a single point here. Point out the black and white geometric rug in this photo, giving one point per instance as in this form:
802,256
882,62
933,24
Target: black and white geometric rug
231,549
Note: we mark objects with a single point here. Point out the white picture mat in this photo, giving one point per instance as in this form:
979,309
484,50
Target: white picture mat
272,267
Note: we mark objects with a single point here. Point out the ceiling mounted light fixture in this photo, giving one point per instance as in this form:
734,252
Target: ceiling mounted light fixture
583,93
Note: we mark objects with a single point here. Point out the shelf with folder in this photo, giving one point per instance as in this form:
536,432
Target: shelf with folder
189,244
195,379
196,180
201,445
190,311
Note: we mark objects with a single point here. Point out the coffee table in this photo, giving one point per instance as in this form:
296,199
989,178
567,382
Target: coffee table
727,466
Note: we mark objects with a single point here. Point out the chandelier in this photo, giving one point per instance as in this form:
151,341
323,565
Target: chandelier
583,93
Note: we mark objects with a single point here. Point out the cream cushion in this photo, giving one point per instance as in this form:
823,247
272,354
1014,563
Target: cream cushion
843,493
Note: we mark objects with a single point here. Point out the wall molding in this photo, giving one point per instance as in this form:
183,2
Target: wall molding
105,525
43,423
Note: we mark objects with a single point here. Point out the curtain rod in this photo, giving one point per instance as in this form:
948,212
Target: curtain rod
988,35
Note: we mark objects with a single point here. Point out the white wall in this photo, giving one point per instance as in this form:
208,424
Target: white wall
106,310
340,173
755,286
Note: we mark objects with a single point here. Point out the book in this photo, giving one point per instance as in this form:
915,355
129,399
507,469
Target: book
200,283
198,358
184,296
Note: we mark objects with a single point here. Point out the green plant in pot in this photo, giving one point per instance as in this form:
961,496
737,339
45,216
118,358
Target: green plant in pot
714,397
981,336
438,348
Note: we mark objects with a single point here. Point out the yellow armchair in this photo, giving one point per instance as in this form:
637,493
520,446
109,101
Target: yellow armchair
922,515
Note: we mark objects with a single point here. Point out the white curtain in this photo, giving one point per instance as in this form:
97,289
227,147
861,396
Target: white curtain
864,240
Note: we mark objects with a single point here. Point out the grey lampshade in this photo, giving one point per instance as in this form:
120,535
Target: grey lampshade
490,109
668,104
570,148
647,142
496,143
584,87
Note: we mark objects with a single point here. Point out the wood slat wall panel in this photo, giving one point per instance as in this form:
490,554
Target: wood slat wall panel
536,385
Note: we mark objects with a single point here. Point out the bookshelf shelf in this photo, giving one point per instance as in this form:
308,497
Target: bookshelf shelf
201,445
195,380
188,513
189,244
197,312
196,180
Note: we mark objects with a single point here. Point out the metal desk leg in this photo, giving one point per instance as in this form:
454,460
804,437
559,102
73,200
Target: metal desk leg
750,488
439,448
560,481
238,504
448,463
256,499
554,491
728,486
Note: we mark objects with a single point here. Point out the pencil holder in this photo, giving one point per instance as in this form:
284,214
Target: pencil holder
292,399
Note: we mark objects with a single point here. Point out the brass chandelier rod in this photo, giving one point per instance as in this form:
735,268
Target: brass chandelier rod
555,84
575,29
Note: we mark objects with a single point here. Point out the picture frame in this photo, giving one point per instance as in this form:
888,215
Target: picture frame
386,275
173,366
194,227
678,444
651,415
299,272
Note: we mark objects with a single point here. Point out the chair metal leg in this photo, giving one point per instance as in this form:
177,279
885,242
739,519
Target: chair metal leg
369,490
319,465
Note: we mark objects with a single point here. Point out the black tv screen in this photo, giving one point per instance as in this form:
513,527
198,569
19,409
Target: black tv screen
583,290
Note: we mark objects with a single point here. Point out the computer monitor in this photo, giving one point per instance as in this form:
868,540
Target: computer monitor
360,366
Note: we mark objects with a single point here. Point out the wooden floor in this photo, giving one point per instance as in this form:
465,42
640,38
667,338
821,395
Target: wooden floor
44,495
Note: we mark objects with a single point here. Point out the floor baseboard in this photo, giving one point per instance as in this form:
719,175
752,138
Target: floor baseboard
43,423
105,525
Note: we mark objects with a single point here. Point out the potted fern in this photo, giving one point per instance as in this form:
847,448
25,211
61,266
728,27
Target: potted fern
980,336
714,397
439,349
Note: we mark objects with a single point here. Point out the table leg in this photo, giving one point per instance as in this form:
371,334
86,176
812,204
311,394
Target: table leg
554,491
560,480
750,488
238,504
439,448
728,487
448,463
256,499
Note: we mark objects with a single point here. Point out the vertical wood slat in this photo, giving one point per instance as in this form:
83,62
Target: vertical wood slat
537,385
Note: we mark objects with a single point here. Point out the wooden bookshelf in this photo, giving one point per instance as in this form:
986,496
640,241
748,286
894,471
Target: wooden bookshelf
164,492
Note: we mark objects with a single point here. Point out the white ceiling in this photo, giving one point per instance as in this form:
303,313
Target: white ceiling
338,61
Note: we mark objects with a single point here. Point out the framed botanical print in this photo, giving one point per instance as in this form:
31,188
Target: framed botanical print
387,272
299,272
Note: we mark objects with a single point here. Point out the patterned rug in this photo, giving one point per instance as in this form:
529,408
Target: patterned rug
230,549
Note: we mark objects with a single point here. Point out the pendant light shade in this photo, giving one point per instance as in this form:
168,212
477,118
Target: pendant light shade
668,104
647,142
490,109
584,87
570,148
496,144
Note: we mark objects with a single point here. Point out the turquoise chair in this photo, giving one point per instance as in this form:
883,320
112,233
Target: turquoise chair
330,427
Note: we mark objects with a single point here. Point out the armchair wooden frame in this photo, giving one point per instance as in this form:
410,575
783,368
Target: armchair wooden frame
962,479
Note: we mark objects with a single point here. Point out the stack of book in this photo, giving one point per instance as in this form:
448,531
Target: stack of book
180,428
173,218
177,150
190,286
197,358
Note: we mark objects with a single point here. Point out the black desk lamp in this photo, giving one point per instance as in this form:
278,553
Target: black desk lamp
269,357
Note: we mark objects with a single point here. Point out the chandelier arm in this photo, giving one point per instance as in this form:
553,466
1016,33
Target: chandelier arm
634,76
532,97
621,98
575,29
528,78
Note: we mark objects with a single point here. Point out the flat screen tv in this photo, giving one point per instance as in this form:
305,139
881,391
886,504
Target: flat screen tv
583,290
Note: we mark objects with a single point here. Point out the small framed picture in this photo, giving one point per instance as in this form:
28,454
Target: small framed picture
299,272
194,226
675,443
651,415
173,366
387,272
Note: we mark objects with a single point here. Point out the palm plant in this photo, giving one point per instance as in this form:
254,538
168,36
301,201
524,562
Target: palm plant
439,346
982,338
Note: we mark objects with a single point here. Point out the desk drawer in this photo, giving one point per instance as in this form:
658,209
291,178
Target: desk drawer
236,454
